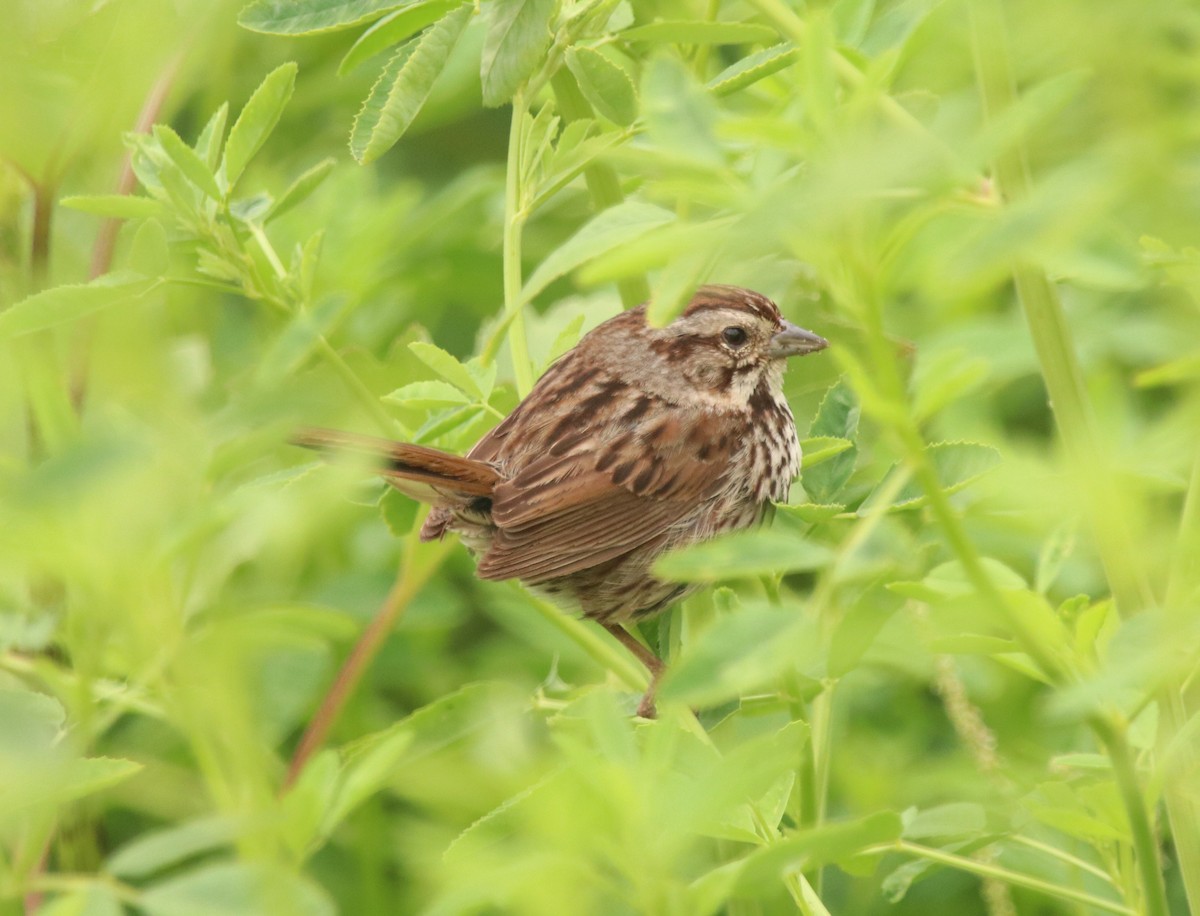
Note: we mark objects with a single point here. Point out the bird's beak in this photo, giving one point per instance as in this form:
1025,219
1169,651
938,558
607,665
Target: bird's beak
795,341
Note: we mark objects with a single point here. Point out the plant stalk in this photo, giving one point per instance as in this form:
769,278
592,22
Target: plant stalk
412,576
514,223
1106,502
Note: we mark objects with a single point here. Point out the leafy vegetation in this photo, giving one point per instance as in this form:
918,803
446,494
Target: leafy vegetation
958,674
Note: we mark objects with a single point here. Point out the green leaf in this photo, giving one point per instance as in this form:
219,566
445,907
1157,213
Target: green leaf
300,189
208,144
70,303
236,889
392,29
813,513
604,83
304,17
117,206
299,338
426,394
447,367
743,554
31,720
837,418
398,511
759,873
93,899
403,87
749,70
950,580
372,762
700,32
615,226
819,449
156,849
857,629
955,819
150,252
518,34
740,653
680,117
256,121
958,464
187,160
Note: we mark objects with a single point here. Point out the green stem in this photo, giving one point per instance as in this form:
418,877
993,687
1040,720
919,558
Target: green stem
604,651
369,402
987,870
602,181
1062,856
1106,502
514,222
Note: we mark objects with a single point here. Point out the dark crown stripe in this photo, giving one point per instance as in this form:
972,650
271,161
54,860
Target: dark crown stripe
708,298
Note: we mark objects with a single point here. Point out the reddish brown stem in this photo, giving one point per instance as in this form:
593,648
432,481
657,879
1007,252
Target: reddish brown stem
407,584
106,238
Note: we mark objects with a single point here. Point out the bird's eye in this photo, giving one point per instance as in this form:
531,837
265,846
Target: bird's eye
734,336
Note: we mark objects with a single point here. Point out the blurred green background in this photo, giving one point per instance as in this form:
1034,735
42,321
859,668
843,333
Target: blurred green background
957,674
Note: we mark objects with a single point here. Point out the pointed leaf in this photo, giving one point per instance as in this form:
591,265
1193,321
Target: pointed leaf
187,160
740,653
208,144
749,70
69,303
745,554
447,367
117,206
432,393
615,226
301,188
256,121
518,34
156,849
304,17
957,464
392,29
819,449
604,83
837,417
700,32
236,888
403,87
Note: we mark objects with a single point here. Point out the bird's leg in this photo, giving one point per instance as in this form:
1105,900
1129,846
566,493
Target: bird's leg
653,664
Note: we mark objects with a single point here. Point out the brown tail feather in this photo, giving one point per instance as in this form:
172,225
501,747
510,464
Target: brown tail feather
440,476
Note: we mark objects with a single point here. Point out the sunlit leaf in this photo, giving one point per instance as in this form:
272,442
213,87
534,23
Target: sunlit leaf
236,888
119,206
392,29
256,121
605,84
447,367
518,33
612,227
837,418
70,303
742,652
303,17
749,70
403,87
741,555
188,161
700,32
958,464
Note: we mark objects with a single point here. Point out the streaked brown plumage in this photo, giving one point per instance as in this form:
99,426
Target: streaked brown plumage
638,440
